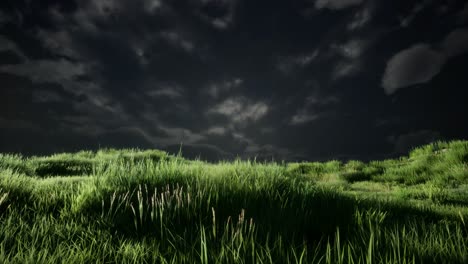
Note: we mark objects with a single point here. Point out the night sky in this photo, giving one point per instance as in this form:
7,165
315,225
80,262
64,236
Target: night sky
284,80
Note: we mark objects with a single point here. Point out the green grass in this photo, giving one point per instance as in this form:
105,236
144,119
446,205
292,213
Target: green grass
132,206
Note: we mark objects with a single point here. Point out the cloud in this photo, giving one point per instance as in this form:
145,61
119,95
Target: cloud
267,130
351,49
178,135
125,73
456,42
221,23
217,89
303,117
240,109
101,108
415,65
251,149
152,5
102,59
313,109
43,71
216,130
177,40
43,96
350,62
85,21
420,63
336,4
92,14
103,8
8,45
288,64
418,7
242,139
346,68
58,42
321,101
142,55
167,90
135,137
360,19
162,136
219,13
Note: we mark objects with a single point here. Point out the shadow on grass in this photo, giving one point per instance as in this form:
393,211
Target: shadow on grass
63,167
284,211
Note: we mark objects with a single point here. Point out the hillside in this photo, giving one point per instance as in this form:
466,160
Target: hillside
146,206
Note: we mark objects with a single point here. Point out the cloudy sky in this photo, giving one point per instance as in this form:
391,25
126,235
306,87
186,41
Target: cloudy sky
291,80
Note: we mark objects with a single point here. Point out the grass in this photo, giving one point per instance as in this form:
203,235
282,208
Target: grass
132,206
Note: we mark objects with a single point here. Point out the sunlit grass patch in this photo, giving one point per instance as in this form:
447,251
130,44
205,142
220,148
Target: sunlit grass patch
375,187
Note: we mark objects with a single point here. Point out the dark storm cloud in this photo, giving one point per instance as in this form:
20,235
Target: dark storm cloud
41,106
116,65
224,78
91,48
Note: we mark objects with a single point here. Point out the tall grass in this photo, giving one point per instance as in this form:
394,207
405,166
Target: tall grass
148,207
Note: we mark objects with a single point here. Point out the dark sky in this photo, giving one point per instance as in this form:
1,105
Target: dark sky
292,80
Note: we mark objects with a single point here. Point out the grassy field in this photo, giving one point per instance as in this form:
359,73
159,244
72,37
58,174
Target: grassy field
132,206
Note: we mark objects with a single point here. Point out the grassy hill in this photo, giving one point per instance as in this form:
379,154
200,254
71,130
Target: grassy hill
132,206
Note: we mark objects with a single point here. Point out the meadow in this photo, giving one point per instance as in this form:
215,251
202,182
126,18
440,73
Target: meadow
146,206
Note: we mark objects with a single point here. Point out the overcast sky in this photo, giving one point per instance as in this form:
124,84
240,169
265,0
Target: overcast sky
289,80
